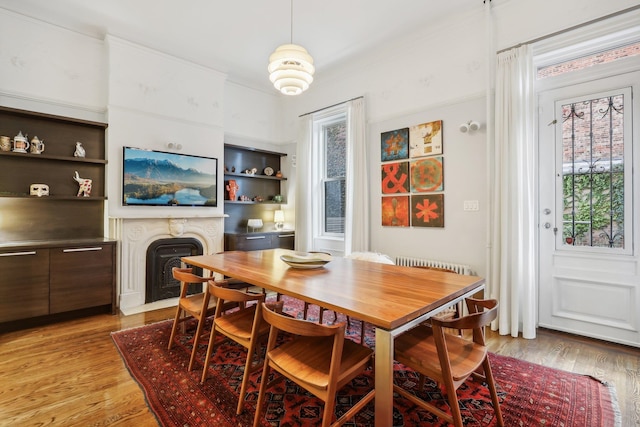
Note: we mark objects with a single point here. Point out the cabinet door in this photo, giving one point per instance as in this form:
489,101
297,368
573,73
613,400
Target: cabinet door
283,240
24,284
247,242
81,277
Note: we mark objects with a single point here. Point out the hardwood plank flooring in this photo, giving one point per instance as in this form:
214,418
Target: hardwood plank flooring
70,373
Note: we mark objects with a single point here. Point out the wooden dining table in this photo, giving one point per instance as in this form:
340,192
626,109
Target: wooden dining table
392,298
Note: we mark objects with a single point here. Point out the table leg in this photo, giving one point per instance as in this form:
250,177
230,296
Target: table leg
384,378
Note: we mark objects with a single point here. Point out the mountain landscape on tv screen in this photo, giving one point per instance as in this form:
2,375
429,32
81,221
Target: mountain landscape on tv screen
162,182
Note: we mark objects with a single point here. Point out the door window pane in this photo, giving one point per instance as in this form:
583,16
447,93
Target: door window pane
593,172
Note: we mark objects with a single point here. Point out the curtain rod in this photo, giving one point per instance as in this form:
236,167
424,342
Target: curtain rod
575,27
330,106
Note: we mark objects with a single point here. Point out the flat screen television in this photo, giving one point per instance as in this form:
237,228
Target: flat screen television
158,178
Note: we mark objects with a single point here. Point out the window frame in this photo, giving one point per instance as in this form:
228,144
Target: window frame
320,122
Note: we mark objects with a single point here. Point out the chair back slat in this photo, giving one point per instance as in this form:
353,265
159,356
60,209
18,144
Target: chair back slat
300,327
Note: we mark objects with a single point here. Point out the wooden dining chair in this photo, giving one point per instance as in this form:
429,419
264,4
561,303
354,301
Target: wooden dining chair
198,306
318,358
452,312
450,359
244,326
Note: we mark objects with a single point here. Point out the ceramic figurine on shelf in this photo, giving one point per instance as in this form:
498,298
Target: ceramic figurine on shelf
232,188
85,185
39,190
36,145
79,150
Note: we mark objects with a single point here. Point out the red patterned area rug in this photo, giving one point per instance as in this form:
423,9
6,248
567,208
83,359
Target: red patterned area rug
530,394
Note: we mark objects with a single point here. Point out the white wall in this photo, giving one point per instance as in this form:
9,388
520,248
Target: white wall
461,240
156,99
48,69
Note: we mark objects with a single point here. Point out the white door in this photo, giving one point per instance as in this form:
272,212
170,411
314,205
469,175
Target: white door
589,275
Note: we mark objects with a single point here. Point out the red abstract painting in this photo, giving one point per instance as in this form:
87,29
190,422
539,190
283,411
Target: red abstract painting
427,210
395,211
395,178
427,175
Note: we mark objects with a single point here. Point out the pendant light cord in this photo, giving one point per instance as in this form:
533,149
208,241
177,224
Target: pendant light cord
291,16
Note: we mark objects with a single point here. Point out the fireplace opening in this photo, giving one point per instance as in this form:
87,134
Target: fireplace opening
162,256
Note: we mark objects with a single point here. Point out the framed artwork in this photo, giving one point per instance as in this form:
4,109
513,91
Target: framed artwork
426,139
427,210
394,145
427,175
395,211
395,177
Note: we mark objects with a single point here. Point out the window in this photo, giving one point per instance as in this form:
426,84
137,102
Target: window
331,148
590,60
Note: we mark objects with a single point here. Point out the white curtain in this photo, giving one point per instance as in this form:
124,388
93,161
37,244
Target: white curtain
512,272
304,186
356,233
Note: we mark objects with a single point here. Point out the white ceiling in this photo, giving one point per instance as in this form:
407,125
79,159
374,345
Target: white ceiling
237,36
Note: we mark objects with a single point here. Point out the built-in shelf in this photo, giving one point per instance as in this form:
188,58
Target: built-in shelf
259,185
58,158
74,198
246,175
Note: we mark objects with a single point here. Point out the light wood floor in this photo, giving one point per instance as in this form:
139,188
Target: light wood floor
70,374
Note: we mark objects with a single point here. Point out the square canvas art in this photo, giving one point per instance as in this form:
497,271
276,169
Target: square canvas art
426,139
427,175
394,145
427,210
395,211
395,177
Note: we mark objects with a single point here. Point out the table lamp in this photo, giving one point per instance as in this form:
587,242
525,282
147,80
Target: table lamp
278,218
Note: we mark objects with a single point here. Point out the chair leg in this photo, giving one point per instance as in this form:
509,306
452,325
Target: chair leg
452,397
306,309
208,355
494,393
261,394
329,407
176,320
421,382
248,369
196,339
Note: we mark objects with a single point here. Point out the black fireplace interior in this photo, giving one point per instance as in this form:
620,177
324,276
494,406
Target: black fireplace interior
162,256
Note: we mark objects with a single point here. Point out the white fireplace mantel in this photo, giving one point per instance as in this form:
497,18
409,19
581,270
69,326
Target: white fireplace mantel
136,234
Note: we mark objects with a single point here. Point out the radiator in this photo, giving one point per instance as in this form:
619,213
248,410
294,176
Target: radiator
413,262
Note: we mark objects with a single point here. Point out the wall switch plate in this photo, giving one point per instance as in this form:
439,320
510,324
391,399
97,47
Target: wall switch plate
471,205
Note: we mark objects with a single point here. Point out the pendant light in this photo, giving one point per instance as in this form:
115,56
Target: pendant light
291,67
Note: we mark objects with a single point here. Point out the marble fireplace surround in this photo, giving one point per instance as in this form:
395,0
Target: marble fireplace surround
136,234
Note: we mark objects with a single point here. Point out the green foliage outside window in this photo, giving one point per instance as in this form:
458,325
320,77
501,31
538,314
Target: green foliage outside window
599,209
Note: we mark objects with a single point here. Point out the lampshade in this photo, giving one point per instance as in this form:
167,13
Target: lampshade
291,69
278,216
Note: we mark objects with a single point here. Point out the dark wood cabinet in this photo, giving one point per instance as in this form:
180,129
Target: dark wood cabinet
41,282
81,277
54,259
24,283
257,241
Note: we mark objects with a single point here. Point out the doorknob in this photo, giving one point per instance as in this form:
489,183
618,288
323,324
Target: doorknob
546,211
547,225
